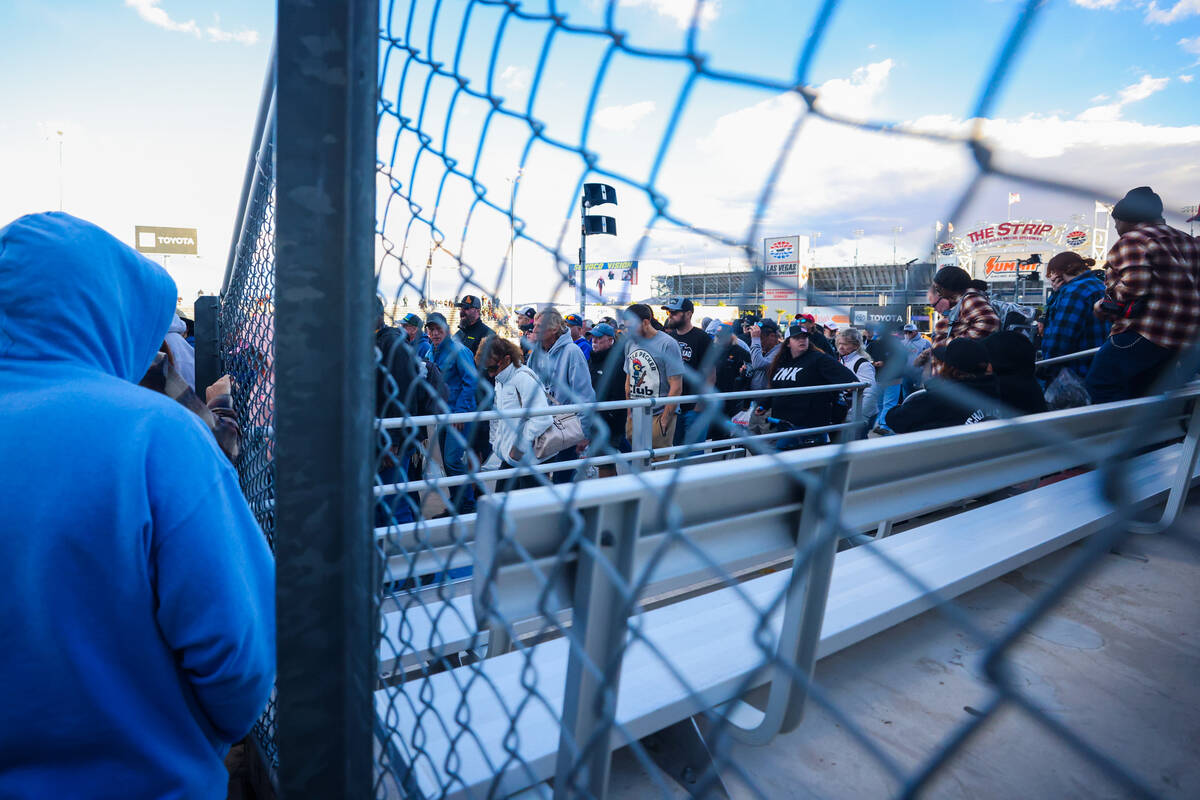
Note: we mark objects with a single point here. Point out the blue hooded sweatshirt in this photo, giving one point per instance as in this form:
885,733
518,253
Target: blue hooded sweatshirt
137,609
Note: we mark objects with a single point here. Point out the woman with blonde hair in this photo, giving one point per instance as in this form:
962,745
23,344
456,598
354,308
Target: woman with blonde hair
517,387
855,358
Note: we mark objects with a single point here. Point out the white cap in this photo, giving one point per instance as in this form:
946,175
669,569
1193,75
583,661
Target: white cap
910,327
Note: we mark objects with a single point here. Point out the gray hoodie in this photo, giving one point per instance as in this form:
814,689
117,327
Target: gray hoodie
564,371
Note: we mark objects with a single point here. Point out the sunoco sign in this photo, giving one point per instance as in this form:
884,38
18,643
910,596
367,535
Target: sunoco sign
168,241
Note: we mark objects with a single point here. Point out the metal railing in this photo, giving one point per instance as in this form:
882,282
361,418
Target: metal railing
365,119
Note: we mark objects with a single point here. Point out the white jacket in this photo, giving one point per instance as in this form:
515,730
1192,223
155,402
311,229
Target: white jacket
516,388
866,374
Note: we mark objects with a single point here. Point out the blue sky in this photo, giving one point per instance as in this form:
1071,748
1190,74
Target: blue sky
157,99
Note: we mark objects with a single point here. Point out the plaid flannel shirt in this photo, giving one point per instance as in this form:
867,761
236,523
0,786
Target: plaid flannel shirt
1160,266
1071,324
976,319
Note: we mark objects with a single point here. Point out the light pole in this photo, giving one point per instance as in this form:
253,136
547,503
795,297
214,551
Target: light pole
858,234
512,237
895,230
1192,213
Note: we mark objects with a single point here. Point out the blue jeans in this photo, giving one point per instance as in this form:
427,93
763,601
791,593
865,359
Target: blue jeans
685,424
454,459
393,508
891,398
566,475
1126,367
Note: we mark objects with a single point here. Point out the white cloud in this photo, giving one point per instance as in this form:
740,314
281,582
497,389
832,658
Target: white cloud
681,11
516,78
1191,45
1187,78
1100,98
853,97
1167,16
1130,94
1096,3
623,118
149,11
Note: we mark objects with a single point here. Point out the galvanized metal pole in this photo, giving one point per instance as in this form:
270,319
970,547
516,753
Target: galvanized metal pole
325,220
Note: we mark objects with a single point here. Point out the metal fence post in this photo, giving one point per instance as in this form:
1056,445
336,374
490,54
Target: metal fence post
208,342
642,419
325,220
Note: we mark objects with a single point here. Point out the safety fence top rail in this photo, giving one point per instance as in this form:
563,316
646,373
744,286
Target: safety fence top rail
649,403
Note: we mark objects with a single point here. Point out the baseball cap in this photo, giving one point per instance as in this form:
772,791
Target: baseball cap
910,327
469,301
603,329
807,319
714,327
573,319
438,319
795,329
527,311
677,303
965,355
411,319
769,325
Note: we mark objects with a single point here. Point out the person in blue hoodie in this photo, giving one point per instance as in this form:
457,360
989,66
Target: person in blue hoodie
457,365
137,610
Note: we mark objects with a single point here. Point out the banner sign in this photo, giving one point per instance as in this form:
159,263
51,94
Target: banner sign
608,282
875,317
781,250
170,241
1012,232
1003,265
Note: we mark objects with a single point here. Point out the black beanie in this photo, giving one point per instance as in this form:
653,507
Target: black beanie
1139,205
954,279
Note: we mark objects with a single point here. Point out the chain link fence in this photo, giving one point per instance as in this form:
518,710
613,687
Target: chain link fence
246,343
540,608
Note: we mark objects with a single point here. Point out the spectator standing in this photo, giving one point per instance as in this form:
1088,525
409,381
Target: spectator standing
525,319
693,348
575,324
517,388
417,340
816,337
395,395
606,369
653,368
963,361
563,370
732,368
471,329
1152,296
853,355
764,346
797,363
138,612
182,353
457,366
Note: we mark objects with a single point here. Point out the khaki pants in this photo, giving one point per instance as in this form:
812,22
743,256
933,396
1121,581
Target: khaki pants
658,438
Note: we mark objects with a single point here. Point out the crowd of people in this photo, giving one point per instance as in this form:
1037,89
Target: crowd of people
980,362
153,517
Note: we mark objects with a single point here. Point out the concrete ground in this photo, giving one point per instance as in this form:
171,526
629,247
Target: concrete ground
1116,662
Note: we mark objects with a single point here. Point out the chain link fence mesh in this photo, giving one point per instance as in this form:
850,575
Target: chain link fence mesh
247,354
473,685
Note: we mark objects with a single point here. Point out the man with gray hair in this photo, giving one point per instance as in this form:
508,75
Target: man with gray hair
563,368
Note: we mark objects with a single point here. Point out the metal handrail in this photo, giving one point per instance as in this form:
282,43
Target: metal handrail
1045,362
480,476
389,423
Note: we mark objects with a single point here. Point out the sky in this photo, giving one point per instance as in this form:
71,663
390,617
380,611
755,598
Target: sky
156,100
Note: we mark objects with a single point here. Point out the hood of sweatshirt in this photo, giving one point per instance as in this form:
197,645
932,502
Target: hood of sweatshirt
73,294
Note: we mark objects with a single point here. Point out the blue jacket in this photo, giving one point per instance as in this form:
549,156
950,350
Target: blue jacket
1071,324
564,371
137,610
423,347
458,371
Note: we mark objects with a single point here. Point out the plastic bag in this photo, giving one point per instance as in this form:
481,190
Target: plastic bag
1067,391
